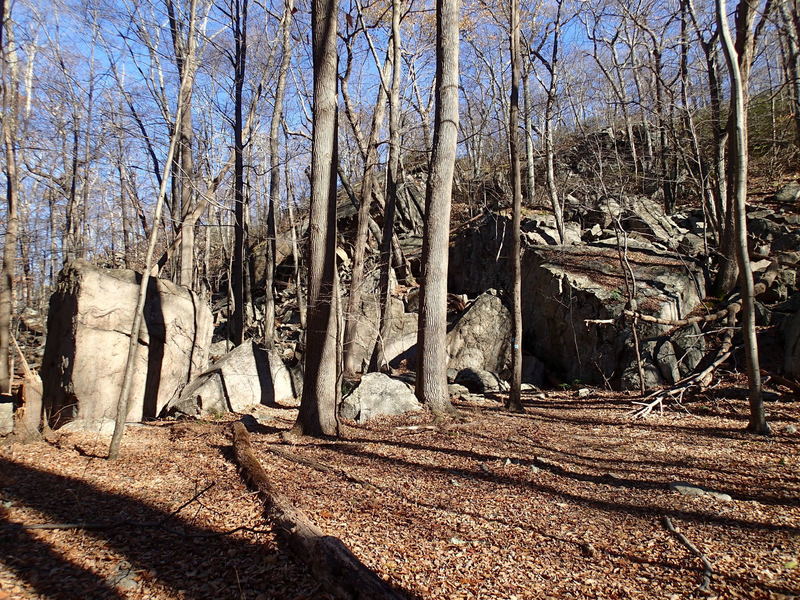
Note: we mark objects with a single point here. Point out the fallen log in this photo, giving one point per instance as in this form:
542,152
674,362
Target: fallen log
331,562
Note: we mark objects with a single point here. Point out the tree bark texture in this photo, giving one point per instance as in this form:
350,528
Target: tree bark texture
515,395
431,387
738,160
10,98
317,416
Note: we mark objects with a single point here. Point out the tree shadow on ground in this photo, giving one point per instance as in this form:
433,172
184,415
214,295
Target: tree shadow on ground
626,465
649,511
165,547
681,562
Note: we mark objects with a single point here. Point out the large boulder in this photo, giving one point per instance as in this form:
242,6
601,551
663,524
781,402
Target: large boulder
564,286
402,326
246,376
481,337
88,334
378,395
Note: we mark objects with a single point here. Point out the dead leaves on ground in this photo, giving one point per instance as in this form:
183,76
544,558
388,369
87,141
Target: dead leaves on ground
562,502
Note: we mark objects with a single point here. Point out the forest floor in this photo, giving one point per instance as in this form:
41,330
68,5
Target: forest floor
565,501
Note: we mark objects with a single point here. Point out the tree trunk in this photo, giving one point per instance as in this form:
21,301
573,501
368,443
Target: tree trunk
738,135
791,31
275,174
362,230
379,360
317,414
529,142
133,346
431,385
515,395
239,317
10,83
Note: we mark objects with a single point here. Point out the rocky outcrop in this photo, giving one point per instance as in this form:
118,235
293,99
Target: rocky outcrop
246,376
481,337
378,395
89,322
566,285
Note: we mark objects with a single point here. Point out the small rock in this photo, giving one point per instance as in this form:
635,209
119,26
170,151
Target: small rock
790,429
455,389
720,496
457,541
583,392
687,489
690,489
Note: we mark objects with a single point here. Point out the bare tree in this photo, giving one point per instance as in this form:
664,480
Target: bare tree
553,67
379,360
431,385
133,347
275,172
369,150
317,414
183,165
9,79
238,16
515,395
739,160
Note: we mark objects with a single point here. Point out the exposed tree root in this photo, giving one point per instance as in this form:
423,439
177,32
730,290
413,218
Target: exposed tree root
708,571
334,565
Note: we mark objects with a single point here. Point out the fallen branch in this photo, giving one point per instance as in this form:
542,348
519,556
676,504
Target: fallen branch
792,385
708,570
317,466
700,378
733,307
334,565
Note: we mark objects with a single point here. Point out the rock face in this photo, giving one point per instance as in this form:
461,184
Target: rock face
402,333
481,337
565,285
792,340
378,395
88,326
246,376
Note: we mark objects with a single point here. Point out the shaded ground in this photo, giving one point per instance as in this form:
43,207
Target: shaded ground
562,502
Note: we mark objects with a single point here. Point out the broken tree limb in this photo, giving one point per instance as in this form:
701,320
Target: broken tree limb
792,385
734,306
708,570
317,466
699,378
334,565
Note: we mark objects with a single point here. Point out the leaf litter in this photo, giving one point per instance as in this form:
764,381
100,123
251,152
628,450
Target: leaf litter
565,501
